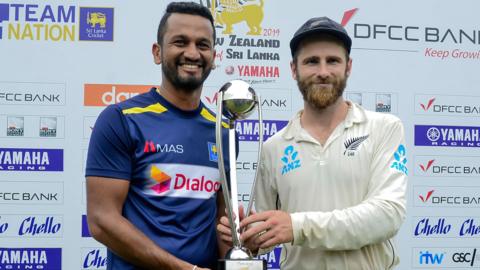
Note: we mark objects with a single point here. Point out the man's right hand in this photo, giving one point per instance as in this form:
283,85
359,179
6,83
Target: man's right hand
225,233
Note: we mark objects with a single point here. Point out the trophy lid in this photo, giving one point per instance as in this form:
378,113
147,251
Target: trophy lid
239,100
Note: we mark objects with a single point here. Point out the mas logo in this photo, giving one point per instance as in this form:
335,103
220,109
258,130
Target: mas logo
46,22
400,162
290,160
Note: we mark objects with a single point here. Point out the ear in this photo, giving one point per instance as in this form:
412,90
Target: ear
293,67
157,53
349,67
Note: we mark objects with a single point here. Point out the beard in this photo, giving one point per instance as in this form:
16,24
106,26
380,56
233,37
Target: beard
320,97
188,83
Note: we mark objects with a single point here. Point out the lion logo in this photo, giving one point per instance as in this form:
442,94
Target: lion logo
96,17
231,12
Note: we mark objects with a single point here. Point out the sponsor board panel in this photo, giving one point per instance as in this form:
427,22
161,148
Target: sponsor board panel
446,196
445,227
24,192
30,159
447,166
31,258
445,257
93,258
32,93
32,126
31,226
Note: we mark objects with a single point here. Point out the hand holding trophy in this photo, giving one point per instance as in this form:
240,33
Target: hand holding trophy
236,101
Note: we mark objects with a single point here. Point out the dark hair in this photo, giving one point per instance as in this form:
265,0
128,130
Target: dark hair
191,8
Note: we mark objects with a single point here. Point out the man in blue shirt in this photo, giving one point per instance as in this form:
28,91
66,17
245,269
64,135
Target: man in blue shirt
153,186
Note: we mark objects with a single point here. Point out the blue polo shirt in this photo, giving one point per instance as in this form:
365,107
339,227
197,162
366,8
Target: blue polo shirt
170,158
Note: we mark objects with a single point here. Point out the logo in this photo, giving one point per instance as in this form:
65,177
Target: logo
428,258
18,159
162,179
38,193
31,258
88,124
448,227
383,103
447,136
94,258
96,24
248,130
425,228
446,105
429,104
180,180
400,156
231,12
55,23
351,145
290,160
48,127
212,152
465,257
450,196
151,147
15,126
426,197
427,166
258,71
19,93
30,226
447,166
107,94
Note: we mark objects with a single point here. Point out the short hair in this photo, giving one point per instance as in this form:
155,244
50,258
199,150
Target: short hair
191,8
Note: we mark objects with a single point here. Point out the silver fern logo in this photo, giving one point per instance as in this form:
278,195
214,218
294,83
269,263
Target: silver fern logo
351,145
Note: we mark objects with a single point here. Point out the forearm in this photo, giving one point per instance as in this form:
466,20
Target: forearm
125,240
350,228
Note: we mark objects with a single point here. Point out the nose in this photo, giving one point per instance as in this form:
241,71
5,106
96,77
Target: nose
192,52
322,71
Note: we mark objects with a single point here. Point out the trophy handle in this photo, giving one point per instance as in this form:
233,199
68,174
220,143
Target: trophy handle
260,143
221,167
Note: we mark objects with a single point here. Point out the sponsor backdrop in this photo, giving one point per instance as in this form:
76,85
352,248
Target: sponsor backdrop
64,61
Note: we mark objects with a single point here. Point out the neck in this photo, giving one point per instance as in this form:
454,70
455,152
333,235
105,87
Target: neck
183,100
321,123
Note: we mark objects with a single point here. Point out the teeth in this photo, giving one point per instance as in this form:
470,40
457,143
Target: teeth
189,66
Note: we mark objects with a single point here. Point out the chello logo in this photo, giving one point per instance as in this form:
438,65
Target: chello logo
107,94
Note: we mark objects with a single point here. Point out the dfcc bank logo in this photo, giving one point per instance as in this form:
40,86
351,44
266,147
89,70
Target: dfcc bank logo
427,166
107,94
429,194
427,106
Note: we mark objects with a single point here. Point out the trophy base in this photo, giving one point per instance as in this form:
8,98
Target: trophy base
242,264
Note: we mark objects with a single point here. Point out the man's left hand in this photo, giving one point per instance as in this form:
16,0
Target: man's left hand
274,227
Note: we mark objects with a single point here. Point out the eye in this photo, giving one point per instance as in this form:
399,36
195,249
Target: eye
179,42
311,61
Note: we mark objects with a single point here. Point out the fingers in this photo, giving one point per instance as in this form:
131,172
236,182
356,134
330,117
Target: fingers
255,217
224,231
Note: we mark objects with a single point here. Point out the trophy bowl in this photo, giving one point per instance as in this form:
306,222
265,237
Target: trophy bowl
239,100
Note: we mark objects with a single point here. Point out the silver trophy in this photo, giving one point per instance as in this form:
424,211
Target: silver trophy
236,101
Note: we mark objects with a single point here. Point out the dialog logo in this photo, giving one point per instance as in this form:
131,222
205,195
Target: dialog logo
182,180
162,179
24,159
96,24
30,258
100,95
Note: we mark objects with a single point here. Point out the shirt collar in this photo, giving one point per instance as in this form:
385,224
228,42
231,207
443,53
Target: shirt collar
355,115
